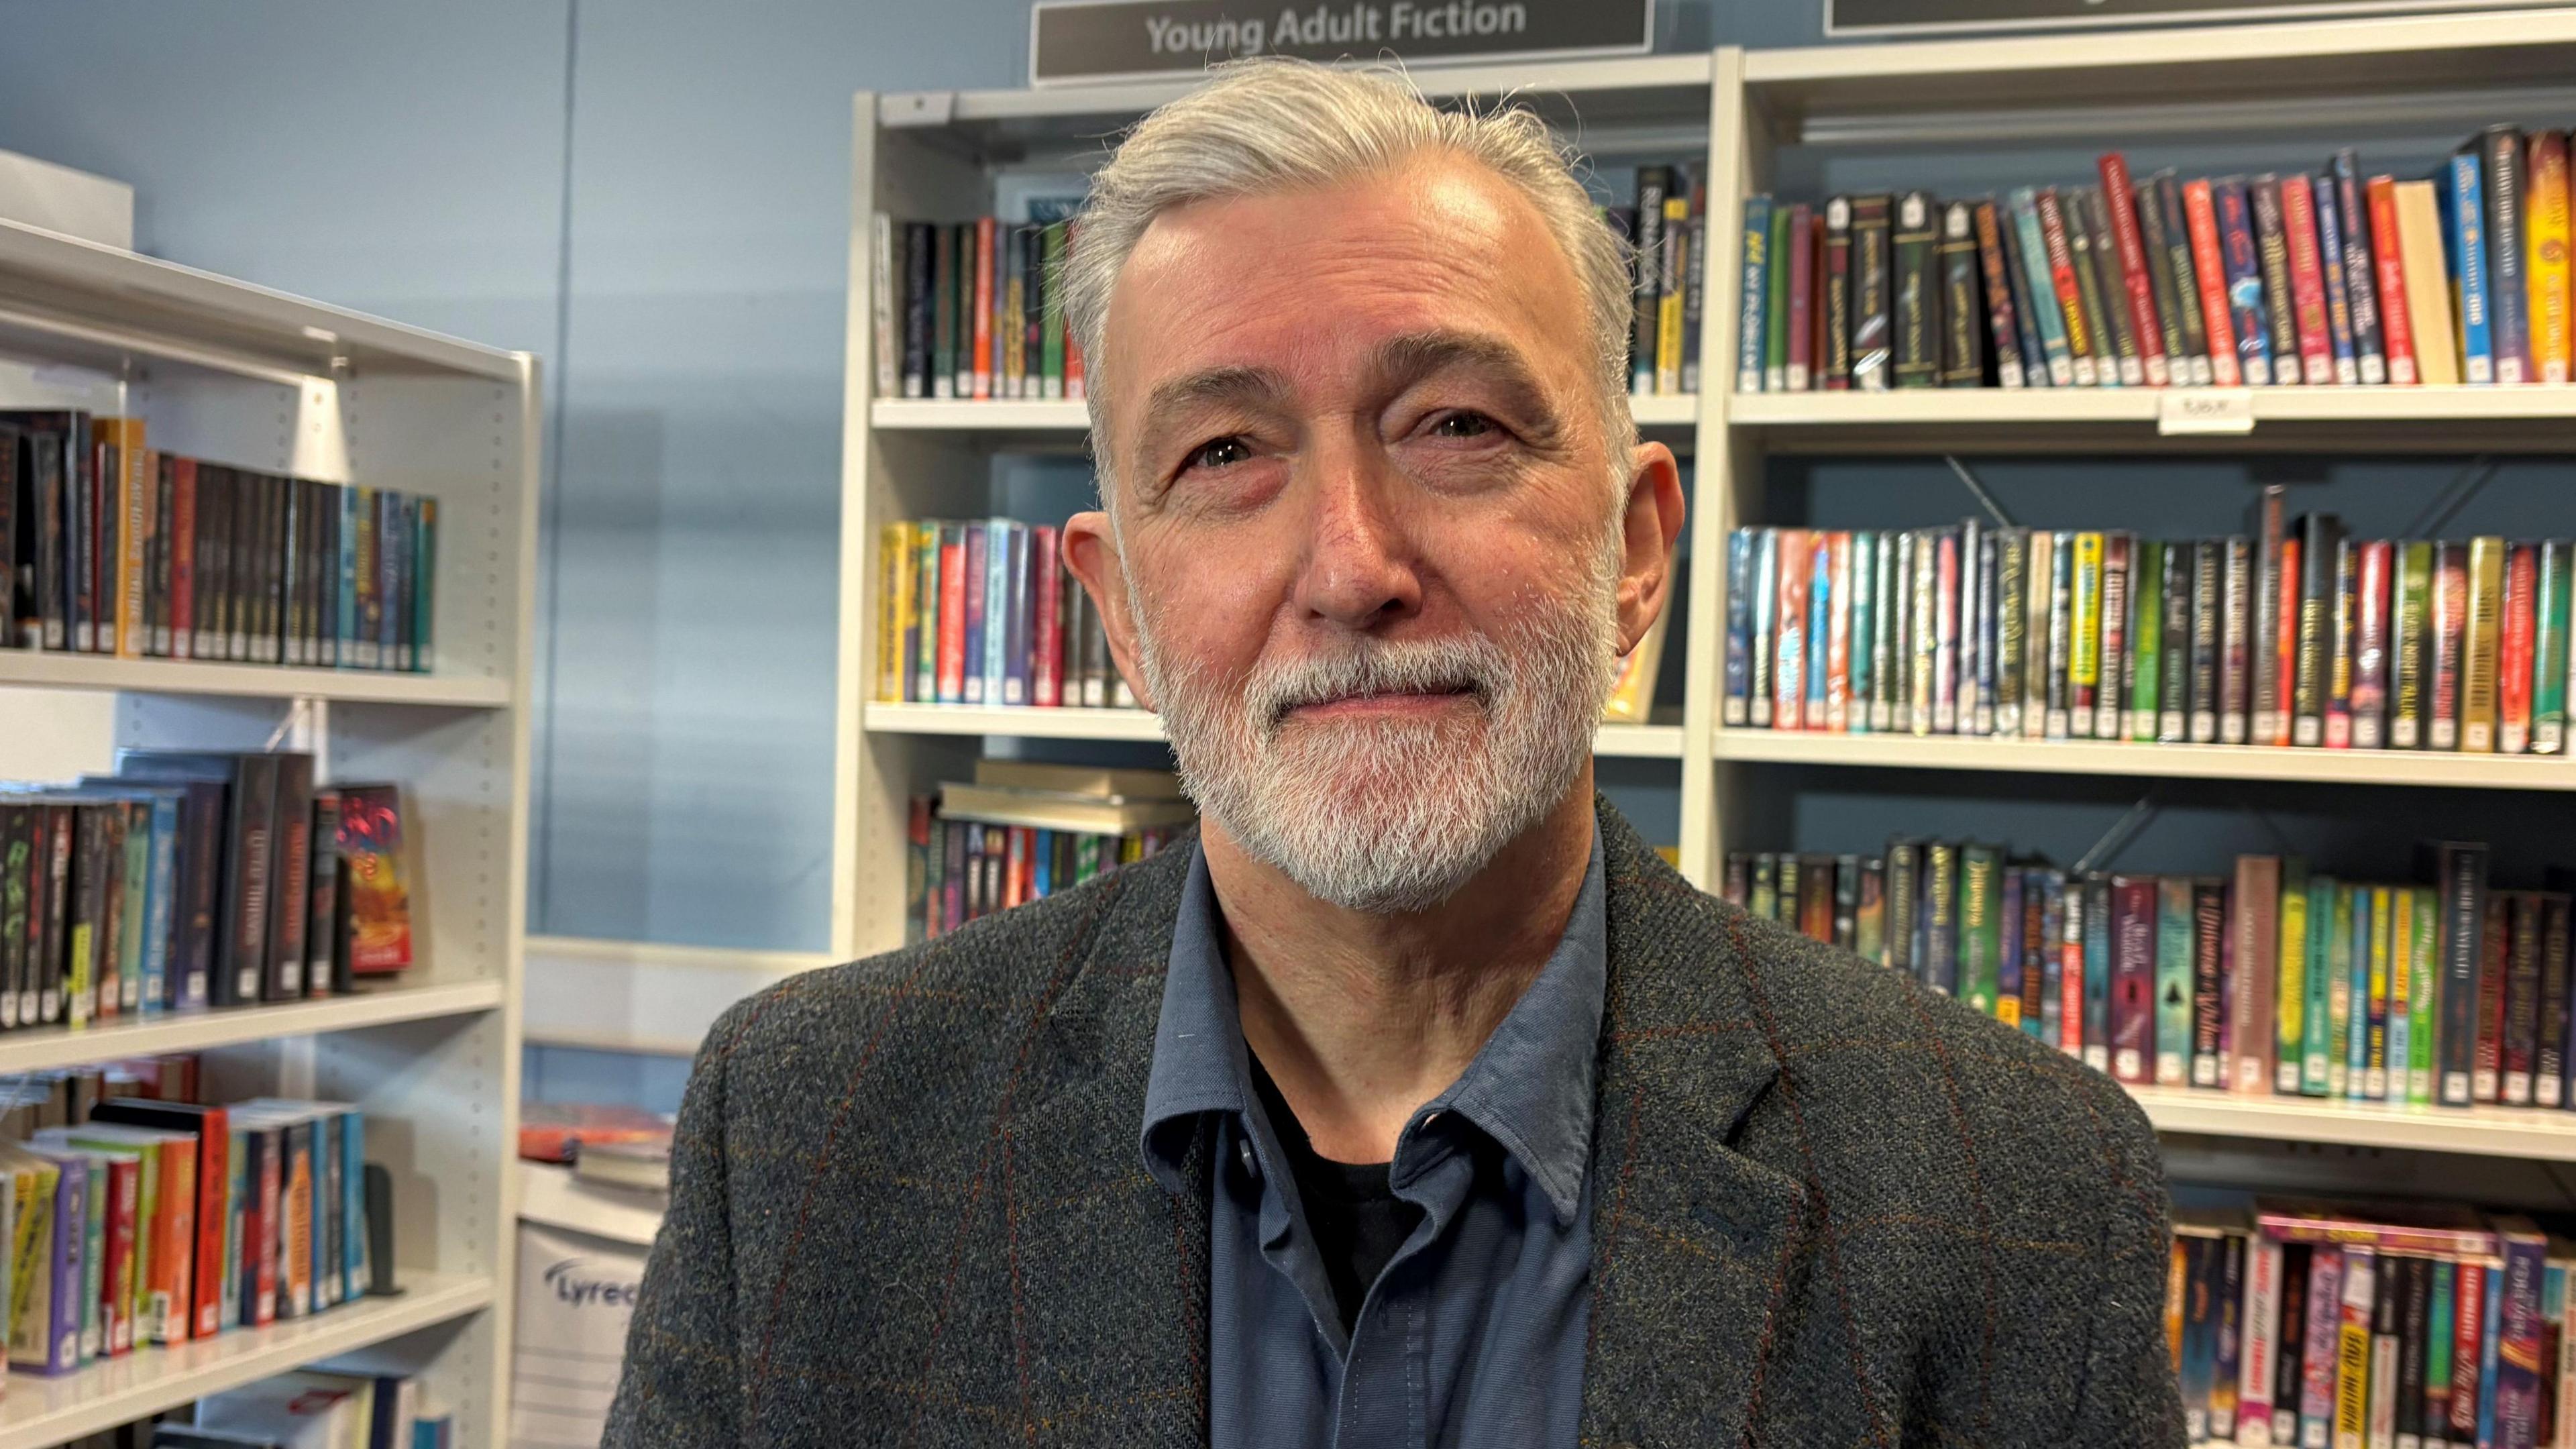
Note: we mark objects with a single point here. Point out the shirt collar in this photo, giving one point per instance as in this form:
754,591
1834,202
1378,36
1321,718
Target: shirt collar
1529,1088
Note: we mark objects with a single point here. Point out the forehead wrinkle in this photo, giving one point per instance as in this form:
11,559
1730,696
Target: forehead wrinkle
1417,355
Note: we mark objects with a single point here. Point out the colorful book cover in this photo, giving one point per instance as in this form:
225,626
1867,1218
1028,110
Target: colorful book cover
1820,621
2546,260
2462,201
2111,653
2411,684
1961,349
2081,327
2118,198
2135,959
2323,1331
2084,653
1751,321
2272,241
372,861
2174,980
1799,293
1789,647
2209,1023
2370,925
2423,1044
2145,665
1980,929
2508,269
2481,655
2210,273
2321,1050
1761,650
2252,921
2026,326
2290,996
1834,321
2549,647
2307,280
2249,310
2519,1420
2097,955
2360,275
2047,306
2097,282
2002,316
2367,703
2388,271
2348,993
2330,262
2515,662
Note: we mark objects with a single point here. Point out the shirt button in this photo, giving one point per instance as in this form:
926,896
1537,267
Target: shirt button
1243,1154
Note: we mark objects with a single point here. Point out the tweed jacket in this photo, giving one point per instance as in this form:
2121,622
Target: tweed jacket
1831,1208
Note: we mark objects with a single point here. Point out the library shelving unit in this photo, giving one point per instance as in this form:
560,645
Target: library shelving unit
241,374
951,155
2219,85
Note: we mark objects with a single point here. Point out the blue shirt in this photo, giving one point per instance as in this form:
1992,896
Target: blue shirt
1473,1334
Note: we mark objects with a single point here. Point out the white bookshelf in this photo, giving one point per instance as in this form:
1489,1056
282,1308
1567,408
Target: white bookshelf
245,375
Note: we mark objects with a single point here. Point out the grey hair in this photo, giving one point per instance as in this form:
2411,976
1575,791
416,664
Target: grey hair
1274,124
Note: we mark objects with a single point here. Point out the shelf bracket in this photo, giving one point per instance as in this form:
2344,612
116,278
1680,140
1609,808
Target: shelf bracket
1985,499
2454,496
2117,838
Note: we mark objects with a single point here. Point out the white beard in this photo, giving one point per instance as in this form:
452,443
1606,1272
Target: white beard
1389,816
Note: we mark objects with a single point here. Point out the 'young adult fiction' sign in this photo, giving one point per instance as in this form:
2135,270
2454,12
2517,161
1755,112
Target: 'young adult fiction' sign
1073,41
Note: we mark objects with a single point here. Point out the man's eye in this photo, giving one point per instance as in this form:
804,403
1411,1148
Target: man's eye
1462,425
1221,453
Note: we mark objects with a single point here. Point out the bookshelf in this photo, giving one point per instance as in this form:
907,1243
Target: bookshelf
953,154
242,374
949,154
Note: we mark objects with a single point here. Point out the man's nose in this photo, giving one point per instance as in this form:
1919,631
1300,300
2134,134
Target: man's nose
1360,569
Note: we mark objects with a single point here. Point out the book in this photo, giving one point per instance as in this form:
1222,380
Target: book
2462,204
2545,243
2284,298
2501,159
2423,249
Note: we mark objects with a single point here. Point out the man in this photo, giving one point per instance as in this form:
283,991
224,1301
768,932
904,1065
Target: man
1416,1102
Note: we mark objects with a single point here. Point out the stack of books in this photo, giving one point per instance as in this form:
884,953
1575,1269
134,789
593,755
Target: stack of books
313,1409
2272,978
983,612
187,881
108,546
2314,1323
2289,635
1021,831
150,1222
2331,278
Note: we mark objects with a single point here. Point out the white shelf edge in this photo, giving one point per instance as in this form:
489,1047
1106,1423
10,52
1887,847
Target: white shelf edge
2531,1133
2441,769
2036,407
41,1411
1627,741
551,1195
62,670
608,951
39,1049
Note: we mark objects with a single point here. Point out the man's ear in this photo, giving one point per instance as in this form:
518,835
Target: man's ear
1093,556
1650,524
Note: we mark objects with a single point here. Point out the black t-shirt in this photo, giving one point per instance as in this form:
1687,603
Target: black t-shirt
1351,1208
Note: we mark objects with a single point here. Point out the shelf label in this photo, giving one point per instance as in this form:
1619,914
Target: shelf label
1919,17
2181,411
1090,41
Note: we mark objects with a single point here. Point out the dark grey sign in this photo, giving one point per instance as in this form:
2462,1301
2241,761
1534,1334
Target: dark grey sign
1893,17
1101,40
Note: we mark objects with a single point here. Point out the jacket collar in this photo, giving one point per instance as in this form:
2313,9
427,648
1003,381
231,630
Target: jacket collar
1686,1229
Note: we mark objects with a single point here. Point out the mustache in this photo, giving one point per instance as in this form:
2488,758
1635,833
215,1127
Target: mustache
1473,665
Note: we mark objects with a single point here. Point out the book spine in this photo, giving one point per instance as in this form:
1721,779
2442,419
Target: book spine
2235,636
2549,1059
2424,984
1941,917
2249,317
2521,1045
2002,315
2388,1296
2063,283
2257,1359
2352,1348
2324,1335
2368,703
2097,279
1741,543
2264,715
2134,1037
1917,331
2144,666
1978,636
2252,921
1837,324
2514,658
1963,340
2061,632
2553,327
2176,303
2273,238
2088,965
1980,902
1646,284
2360,276
2447,644
2208,1014
2012,587
2208,570
1046,586
2509,274
1800,258
2110,689
2174,1017
1836,558
1754,297
2119,202
2372,963
2389,273
1673,288
1873,266
2039,573
2481,649
1945,632
1796,576
2084,649
2463,202
2298,222
2462,879
2315,628
2210,272
2330,263
2290,991
2550,599
2518,1389
2173,717
1760,687
2040,280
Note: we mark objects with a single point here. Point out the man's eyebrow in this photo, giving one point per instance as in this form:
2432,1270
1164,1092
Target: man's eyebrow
1418,355
1215,386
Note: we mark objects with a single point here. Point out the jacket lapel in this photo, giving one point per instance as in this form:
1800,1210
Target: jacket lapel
1695,1243
1105,1274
